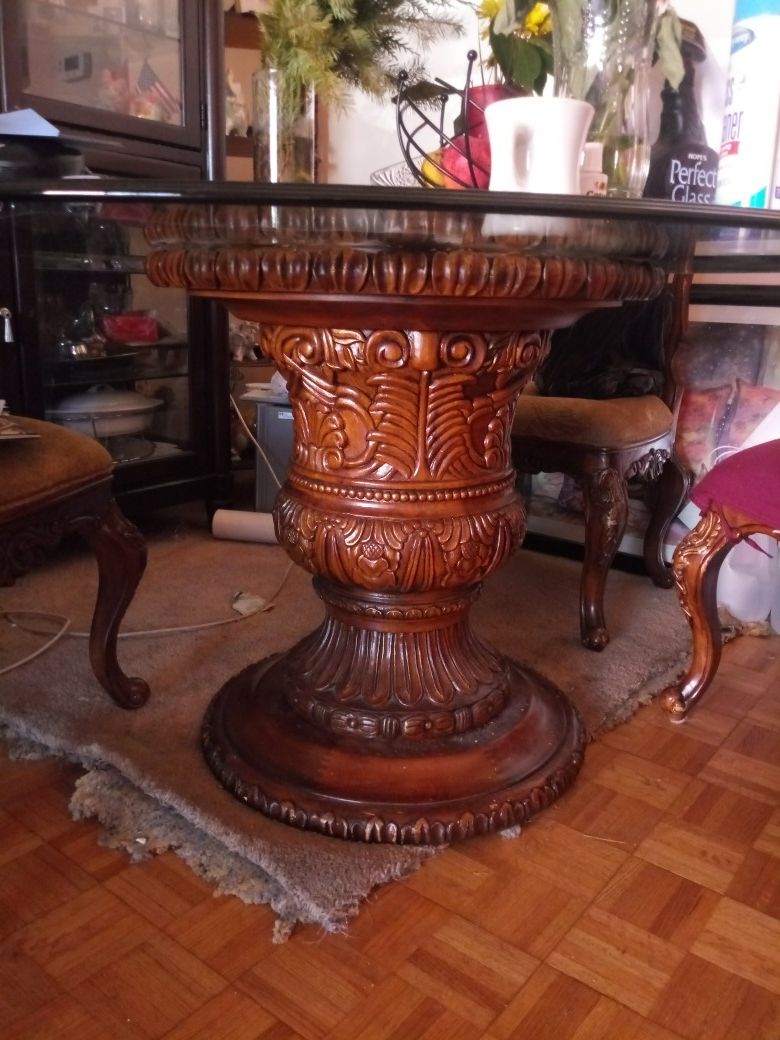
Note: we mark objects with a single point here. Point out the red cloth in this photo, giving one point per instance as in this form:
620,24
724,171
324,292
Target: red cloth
748,481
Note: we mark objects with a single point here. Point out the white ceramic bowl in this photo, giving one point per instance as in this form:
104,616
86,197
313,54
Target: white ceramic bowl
103,412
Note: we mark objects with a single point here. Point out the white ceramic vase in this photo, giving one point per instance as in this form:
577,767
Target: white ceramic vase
536,143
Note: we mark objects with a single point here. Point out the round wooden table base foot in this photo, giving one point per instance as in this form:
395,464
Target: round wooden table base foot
404,792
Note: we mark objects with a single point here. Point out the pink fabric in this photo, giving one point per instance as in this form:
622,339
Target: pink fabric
748,481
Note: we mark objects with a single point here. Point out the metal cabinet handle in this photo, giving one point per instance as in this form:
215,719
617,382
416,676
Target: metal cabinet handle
8,329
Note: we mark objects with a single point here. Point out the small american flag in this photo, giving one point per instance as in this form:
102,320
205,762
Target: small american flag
150,84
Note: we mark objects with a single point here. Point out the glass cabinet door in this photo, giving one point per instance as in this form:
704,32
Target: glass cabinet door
122,56
106,64
115,358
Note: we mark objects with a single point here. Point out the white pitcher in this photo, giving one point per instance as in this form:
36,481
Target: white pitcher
536,143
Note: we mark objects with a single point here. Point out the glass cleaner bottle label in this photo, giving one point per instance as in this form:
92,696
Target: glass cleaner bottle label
692,176
749,137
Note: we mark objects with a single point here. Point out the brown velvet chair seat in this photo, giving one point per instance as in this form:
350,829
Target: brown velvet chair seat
59,463
603,424
606,442
62,483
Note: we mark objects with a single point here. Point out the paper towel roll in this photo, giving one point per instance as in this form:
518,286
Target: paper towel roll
243,526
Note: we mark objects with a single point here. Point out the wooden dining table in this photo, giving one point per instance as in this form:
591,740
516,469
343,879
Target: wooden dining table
405,323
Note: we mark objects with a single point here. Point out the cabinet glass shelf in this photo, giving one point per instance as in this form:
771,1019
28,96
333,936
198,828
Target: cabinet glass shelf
50,261
117,377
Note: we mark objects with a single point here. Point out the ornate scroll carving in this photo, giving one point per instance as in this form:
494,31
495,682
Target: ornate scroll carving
701,543
395,406
393,722
607,496
649,467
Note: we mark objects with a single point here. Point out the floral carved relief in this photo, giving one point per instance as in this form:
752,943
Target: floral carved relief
400,500
385,553
606,490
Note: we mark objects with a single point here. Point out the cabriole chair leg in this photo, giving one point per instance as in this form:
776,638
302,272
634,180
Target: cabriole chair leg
671,491
606,515
696,564
121,558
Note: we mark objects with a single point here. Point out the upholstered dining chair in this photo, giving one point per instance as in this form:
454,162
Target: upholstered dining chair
739,497
59,482
608,441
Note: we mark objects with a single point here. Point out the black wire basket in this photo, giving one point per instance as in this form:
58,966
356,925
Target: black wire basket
435,158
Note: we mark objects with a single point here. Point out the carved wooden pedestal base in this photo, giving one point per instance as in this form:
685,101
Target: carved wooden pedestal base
410,792
393,722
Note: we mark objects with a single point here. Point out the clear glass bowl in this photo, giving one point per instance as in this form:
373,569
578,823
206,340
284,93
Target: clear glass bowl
396,176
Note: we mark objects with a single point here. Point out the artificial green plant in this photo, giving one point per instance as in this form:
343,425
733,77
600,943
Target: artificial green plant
335,45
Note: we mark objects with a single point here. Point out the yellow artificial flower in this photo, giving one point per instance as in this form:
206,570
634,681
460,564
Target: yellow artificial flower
538,22
489,8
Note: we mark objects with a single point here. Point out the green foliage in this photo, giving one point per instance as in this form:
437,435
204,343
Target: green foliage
518,33
337,44
523,62
668,38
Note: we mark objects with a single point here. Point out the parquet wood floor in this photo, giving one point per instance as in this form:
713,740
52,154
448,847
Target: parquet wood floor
644,906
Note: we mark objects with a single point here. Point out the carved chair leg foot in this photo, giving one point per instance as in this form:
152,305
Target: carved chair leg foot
595,638
674,705
671,491
697,562
606,514
121,557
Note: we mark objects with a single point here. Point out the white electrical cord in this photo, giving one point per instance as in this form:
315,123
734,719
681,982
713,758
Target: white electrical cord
64,626
258,606
254,441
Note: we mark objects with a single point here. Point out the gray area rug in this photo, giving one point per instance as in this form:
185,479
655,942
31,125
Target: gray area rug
146,780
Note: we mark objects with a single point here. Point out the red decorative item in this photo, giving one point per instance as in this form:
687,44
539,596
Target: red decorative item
131,328
479,98
747,481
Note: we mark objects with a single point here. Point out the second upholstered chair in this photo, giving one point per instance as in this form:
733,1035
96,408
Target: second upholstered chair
739,497
607,442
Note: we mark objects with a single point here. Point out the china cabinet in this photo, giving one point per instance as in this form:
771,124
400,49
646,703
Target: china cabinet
136,87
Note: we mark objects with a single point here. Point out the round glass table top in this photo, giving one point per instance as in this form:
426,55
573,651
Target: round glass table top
378,217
